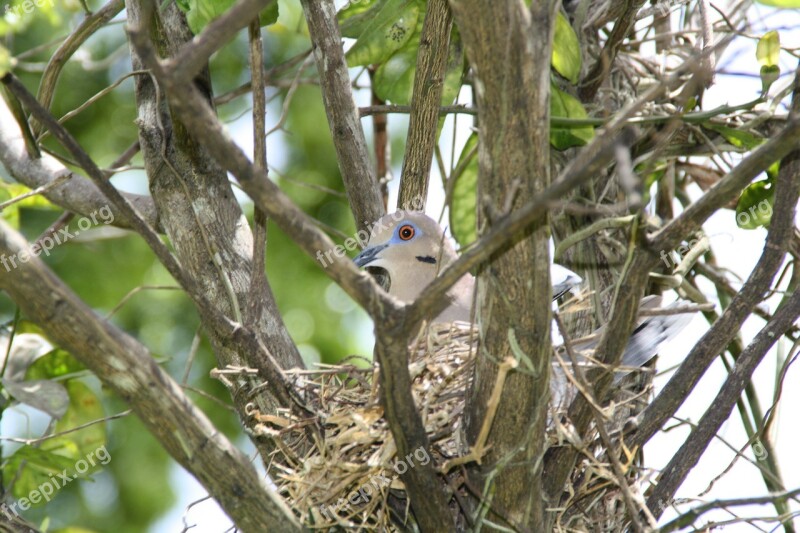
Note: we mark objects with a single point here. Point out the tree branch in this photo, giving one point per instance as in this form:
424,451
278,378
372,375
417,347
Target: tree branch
510,55
87,28
560,461
779,236
689,454
348,135
425,489
242,339
125,366
77,194
190,107
193,56
194,112
429,77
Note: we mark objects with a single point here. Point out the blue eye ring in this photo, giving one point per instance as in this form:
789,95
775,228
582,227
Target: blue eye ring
406,232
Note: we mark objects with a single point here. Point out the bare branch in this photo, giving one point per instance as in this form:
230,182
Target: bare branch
126,366
778,239
212,317
78,194
689,454
193,110
346,131
643,260
195,113
426,489
688,518
193,56
428,86
87,28
258,278
510,54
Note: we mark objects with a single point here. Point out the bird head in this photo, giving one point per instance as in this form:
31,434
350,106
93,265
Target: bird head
410,248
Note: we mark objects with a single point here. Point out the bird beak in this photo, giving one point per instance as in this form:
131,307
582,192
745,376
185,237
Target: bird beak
369,255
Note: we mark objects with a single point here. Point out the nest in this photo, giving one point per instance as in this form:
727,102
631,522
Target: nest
350,478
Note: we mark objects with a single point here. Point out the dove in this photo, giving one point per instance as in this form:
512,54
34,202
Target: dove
412,249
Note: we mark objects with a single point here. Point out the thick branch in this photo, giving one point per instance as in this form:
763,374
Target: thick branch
190,107
217,322
193,110
428,86
77,194
510,55
426,490
125,366
346,131
193,56
202,217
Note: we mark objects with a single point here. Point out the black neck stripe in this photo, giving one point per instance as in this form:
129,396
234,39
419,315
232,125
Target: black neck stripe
426,259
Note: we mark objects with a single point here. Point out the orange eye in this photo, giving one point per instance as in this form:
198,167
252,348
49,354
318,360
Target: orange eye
406,232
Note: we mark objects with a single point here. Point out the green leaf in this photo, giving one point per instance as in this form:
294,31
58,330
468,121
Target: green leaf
388,31
269,15
200,12
772,171
769,74
454,72
463,211
36,470
84,407
6,61
754,208
567,106
768,49
737,137
54,364
394,80
780,3
356,16
566,58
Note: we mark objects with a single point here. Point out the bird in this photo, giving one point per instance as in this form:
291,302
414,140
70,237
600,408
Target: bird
411,249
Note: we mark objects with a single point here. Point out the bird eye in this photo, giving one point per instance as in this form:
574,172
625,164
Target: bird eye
406,232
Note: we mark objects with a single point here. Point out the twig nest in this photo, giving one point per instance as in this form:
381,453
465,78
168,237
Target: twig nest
349,474
348,477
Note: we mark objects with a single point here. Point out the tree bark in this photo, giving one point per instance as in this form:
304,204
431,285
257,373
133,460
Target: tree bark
509,51
201,216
